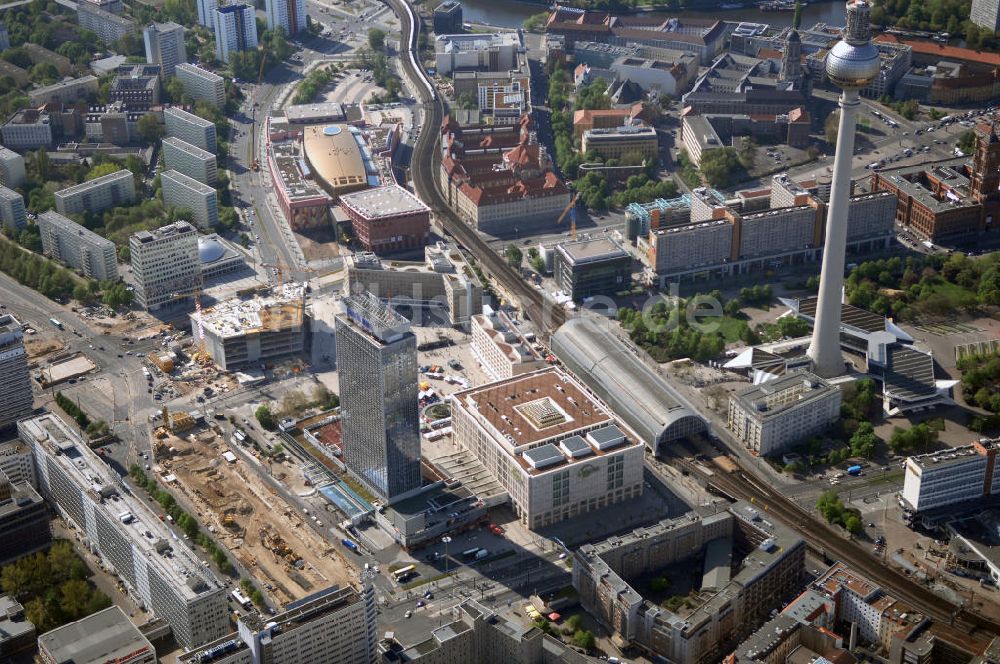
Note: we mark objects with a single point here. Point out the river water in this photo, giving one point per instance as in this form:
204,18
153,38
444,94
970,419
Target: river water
511,14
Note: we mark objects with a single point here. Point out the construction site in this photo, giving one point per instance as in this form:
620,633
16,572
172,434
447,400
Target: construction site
264,533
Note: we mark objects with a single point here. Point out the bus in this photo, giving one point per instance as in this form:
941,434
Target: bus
242,599
470,554
403,573
57,323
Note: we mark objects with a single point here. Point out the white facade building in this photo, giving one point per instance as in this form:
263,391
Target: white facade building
771,416
78,247
986,14
476,51
961,474
235,30
190,128
13,216
160,572
190,160
12,172
165,46
556,451
501,348
332,626
15,384
201,84
165,264
182,191
289,15
97,195
206,12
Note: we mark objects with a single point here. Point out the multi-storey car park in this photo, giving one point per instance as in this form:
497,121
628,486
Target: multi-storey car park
160,572
557,451
247,331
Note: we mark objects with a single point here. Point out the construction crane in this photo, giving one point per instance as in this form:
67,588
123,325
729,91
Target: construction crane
201,356
255,164
571,211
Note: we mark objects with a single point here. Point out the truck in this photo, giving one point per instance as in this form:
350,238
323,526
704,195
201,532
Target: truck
350,545
854,470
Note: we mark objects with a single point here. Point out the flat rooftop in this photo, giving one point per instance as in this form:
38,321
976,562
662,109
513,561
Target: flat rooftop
384,202
951,457
951,173
171,557
772,397
543,420
259,313
99,638
840,575
294,172
851,316
592,251
188,117
322,111
163,232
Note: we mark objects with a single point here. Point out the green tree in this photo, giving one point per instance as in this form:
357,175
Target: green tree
42,164
584,639
535,22
514,256
376,40
719,166
264,417
100,170
149,128
864,440
831,127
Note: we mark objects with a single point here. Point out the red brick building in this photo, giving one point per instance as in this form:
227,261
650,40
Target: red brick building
387,219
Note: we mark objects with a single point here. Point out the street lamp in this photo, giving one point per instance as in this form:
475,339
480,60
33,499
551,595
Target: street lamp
446,541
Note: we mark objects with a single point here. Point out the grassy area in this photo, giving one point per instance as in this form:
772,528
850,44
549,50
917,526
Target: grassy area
424,580
358,489
953,292
731,328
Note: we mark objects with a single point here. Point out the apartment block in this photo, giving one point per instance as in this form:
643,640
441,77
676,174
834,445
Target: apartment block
247,331
64,92
78,247
185,192
190,128
556,450
109,27
986,14
631,144
775,415
165,264
742,562
190,160
97,195
13,216
15,383
164,44
235,30
289,15
159,571
16,463
28,129
105,637
503,350
24,520
958,475
201,84
332,626
206,12
12,173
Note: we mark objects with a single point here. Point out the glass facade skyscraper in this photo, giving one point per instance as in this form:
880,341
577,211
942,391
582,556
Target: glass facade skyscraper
377,365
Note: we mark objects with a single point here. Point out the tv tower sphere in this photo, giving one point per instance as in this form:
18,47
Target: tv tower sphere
852,64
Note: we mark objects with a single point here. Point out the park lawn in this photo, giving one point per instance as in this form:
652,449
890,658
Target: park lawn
953,292
731,328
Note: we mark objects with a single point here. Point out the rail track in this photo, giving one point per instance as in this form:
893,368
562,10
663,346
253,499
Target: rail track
426,163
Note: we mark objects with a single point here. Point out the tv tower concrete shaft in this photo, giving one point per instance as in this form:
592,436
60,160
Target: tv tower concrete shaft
824,349
852,64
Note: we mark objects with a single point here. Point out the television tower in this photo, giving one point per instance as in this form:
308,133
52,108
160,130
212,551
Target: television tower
852,65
